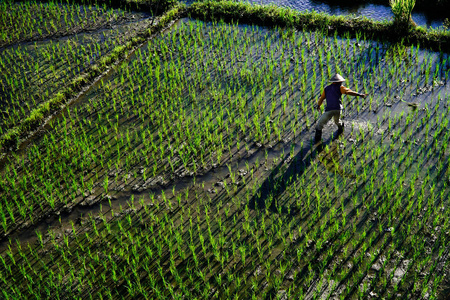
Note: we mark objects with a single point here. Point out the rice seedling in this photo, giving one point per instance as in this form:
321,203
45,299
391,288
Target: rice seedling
193,158
28,21
33,73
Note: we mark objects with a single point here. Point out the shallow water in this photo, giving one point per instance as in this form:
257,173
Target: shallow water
373,11
334,181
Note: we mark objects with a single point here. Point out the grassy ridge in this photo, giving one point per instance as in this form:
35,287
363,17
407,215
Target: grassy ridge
272,15
45,109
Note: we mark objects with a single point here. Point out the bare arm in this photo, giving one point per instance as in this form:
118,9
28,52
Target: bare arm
352,93
322,97
349,92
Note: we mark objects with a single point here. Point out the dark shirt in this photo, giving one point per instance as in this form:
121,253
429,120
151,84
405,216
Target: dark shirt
333,95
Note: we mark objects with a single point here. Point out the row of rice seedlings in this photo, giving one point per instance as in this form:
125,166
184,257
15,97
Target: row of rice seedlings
32,74
218,247
370,188
31,20
369,199
123,127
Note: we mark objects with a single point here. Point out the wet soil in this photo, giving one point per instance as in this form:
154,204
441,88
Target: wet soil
274,170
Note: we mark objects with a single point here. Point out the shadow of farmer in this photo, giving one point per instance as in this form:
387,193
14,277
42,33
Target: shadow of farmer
280,178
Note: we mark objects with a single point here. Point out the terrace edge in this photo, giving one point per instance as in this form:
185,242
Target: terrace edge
37,117
270,15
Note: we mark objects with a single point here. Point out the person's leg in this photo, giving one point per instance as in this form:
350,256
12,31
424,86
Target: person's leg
326,116
338,121
318,136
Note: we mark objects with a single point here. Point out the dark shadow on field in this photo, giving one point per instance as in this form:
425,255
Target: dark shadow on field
278,180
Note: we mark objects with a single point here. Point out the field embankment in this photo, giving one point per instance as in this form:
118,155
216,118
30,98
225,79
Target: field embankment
53,81
436,40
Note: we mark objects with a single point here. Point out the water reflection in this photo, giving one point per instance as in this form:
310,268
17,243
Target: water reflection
374,11
330,159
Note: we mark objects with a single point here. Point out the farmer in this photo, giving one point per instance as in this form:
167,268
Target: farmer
333,94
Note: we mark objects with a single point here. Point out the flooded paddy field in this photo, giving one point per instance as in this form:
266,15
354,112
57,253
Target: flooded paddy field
374,10
189,171
40,60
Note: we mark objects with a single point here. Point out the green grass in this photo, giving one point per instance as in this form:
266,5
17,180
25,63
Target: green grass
229,10
144,150
272,15
57,78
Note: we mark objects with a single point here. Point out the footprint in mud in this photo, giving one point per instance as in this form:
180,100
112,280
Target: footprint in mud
413,105
363,125
367,126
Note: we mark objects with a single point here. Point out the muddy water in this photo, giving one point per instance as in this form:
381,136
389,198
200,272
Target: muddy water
275,152
359,120
308,163
376,12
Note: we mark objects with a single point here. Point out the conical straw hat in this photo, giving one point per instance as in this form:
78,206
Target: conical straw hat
337,78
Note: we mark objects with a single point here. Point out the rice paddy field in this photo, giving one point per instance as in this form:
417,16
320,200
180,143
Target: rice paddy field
188,171
49,45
